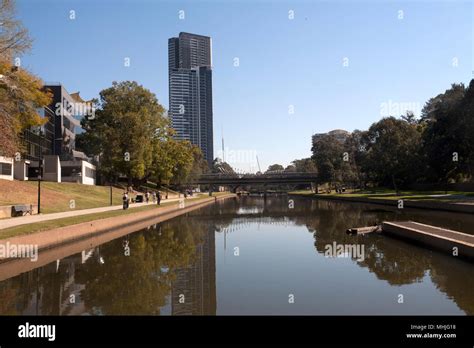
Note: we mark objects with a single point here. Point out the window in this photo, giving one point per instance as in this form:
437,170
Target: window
5,169
70,171
90,173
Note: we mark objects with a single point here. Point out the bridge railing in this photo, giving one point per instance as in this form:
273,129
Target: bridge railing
251,175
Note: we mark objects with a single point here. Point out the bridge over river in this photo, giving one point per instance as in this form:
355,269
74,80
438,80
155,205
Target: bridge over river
235,179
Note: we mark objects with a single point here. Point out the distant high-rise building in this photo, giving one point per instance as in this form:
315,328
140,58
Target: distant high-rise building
339,134
190,90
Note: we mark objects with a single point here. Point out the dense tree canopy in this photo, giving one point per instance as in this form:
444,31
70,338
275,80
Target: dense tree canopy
132,137
123,129
392,152
275,168
448,137
328,157
21,93
397,152
290,169
305,165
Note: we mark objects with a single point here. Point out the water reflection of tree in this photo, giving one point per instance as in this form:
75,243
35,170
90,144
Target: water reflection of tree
9,293
135,284
388,259
139,283
194,289
36,292
393,261
459,284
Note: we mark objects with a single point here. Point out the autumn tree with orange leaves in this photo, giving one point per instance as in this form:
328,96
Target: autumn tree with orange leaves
21,93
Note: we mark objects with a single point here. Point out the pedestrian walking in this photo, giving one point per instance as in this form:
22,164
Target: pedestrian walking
125,200
147,197
159,197
153,197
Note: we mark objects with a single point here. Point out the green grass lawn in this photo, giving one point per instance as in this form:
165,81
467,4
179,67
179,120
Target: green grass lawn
85,196
58,197
217,194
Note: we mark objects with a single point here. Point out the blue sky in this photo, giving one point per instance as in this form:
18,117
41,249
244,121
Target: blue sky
392,59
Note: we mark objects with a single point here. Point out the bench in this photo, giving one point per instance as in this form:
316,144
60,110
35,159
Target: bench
21,210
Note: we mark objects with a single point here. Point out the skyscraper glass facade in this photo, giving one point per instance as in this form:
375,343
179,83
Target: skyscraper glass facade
190,90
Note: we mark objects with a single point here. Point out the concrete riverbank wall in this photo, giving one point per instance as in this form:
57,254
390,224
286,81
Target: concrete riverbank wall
448,241
117,225
430,205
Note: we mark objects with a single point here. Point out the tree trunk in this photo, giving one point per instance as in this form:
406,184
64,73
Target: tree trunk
395,185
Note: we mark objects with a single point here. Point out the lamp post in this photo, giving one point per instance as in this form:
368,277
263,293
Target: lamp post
39,189
40,168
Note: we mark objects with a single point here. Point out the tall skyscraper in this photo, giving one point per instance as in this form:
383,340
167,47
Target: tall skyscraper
190,90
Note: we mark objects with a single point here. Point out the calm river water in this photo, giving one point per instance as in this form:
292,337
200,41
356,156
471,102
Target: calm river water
252,255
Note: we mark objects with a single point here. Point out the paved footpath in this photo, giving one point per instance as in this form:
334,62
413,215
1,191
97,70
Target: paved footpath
29,219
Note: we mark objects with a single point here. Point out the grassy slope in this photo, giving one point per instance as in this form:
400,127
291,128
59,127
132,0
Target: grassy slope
56,197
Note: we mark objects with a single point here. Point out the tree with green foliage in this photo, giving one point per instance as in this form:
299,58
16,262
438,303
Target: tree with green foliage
354,155
275,168
448,145
163,161
305,165
328,156
149,273
199,166
21,93
290,169
183,154
124,130
399,152
392,157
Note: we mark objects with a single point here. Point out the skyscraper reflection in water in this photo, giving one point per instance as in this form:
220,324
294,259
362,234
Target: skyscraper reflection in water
194,290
